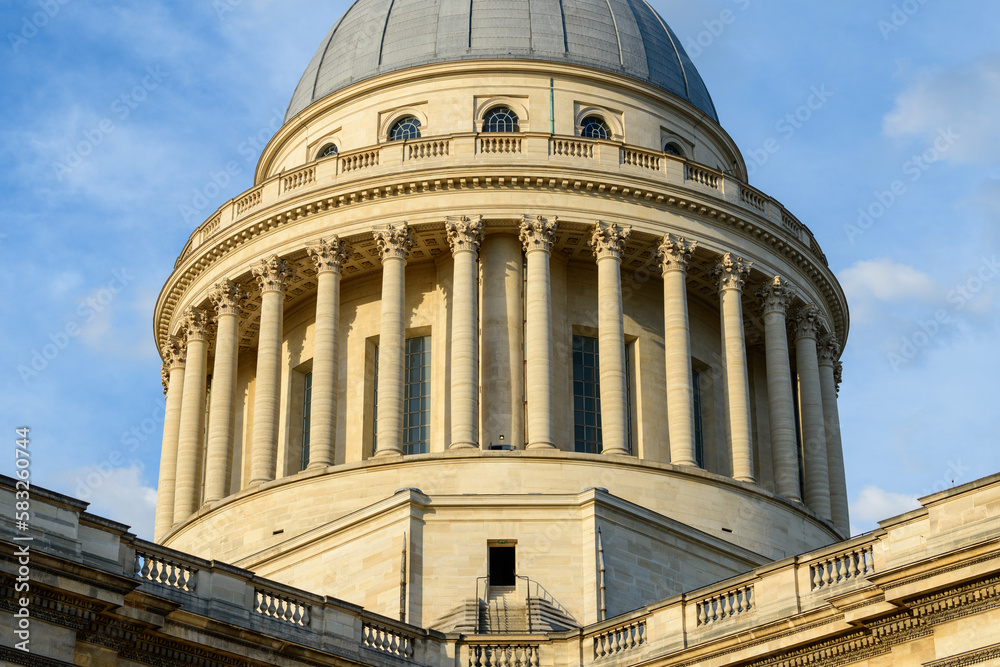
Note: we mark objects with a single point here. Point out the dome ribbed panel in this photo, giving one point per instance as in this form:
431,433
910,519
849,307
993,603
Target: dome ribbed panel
411,33
622,36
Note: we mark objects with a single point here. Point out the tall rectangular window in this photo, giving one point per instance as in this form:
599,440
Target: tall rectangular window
699,428
306,418
586,395
416,400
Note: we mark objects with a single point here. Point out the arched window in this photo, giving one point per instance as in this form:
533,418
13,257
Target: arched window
327,151
595,128
500,119
673,149
405,128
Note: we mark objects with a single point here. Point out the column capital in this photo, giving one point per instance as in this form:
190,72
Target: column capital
808,322
465,232
732,272
227,297
195,324
776,295
329,254
165,378
609,239
538,232
175,353
829,350
838,374
273,274
393,241
675,253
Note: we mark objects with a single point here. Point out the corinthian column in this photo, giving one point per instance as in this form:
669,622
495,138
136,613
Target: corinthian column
608,242
465,234
175,357
829,370
227,297
537,236
675,257
732,272
394,243
817,474
272,276
775,298
194,328
329,256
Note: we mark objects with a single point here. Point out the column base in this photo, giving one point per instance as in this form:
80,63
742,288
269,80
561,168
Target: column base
751,480
463,445
385,453
616,452
319,464
540,445
691,463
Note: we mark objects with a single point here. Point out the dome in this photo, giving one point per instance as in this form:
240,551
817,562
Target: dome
622,36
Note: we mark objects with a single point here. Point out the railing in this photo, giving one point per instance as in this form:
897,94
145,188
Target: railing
620,639
503,655
499,144
210,227
281,607
638,157
843,567
297,179
751,198
249,201
725,606
164,571
791,224
427,149
359,160
702,176
385,639
572,148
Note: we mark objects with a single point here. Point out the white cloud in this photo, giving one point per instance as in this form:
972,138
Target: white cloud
963,99
117,493
875,504
888,281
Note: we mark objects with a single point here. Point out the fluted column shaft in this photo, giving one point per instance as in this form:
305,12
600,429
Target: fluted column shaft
272,276
328,256
829,352
465,236
174,366
394,244
192,422
608,242
538,235
817,474
227,297
732,272
503,333
776,297
675,257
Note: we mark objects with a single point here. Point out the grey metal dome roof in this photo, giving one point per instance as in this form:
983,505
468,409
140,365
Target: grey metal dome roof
622,36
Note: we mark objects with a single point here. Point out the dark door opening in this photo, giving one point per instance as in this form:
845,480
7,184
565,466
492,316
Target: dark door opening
502,570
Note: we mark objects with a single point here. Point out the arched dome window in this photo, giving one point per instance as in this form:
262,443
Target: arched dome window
594,127
673,149
405,128
500,119
327,151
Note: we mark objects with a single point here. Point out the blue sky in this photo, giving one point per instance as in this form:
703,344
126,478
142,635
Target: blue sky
126,123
